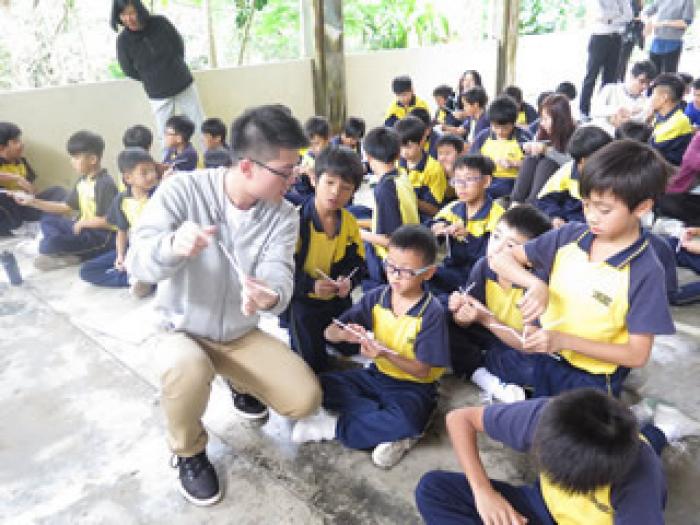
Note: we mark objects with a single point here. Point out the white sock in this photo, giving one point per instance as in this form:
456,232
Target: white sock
318,427
485,380
493,386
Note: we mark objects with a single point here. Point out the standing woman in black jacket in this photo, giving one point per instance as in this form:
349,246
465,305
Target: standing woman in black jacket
151,50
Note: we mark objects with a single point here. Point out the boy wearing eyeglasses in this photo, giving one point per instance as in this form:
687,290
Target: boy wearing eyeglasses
465,225
329,258
402,327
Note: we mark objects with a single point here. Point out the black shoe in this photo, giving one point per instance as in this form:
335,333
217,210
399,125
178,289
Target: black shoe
247,406
199,483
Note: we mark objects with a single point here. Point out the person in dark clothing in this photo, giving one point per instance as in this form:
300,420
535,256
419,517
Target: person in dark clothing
151,50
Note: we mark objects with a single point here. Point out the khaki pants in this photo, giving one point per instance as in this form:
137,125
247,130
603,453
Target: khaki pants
256,364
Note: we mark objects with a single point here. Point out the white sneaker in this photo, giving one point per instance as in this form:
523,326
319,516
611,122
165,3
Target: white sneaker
46,263
674,423
318,427
508,393
386,455
27,229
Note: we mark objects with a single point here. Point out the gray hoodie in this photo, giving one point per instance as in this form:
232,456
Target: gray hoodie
202,295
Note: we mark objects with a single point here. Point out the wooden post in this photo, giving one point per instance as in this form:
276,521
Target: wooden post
507,20
323,41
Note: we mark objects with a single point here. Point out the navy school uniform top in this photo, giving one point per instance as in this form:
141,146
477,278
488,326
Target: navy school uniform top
446,116
430,146
125,210
336,256
427,178
600,301
672,134
503,302
560,196
473,127
467,250
420,334
184,161
497,149
638,498
395,205
92,197
398,111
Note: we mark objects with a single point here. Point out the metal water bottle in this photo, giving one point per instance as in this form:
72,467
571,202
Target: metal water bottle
9,264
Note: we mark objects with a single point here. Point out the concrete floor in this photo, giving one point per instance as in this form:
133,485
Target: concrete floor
81,434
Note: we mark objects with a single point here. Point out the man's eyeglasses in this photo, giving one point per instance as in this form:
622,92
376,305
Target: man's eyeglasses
404,273
286,175
461,183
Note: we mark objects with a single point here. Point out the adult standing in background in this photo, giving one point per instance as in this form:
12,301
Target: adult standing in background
671,19
632,35
604,47
151,50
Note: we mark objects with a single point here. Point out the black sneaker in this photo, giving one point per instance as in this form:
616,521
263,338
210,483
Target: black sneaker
199,483
247,406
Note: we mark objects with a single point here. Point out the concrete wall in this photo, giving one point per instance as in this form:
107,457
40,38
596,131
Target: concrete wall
369,75
49,116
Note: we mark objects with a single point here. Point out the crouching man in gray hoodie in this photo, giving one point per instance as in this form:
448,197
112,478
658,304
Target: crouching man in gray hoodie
220,243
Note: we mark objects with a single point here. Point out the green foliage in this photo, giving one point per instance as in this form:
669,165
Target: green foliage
114,70
546,16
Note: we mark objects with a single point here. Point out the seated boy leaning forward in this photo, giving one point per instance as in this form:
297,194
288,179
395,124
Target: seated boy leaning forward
465,224
139,172
394,201
387,406
405,101
425,173
16,175
318,133
604,293
180,154
502,143
329,259
221,245
596,466
485,323
66,241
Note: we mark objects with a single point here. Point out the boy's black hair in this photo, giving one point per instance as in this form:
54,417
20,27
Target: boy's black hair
567,89
696,83
475,95
8,132
214,127
119,5
423,115
633,130
129,158
586,140
138,136
340,161
515,93
383,144
687,78
317,127
181,125
646,68
542,97
85,142
401,84
476,161
354,127
585,440
417,238
527,220
630,170
503,110
451,140
261,131
672,83
444,91
410,129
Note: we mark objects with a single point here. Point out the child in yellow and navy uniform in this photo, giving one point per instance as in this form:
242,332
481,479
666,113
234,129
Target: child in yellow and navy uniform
596,465
430,137
443,115
560,197
339,255
502,143
180,154
388,405
672,128
66,241
481,345
17,175
318,132
405,101
606,290
394,201
139,171
425,173
465,224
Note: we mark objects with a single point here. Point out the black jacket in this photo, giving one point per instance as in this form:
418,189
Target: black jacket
155,56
